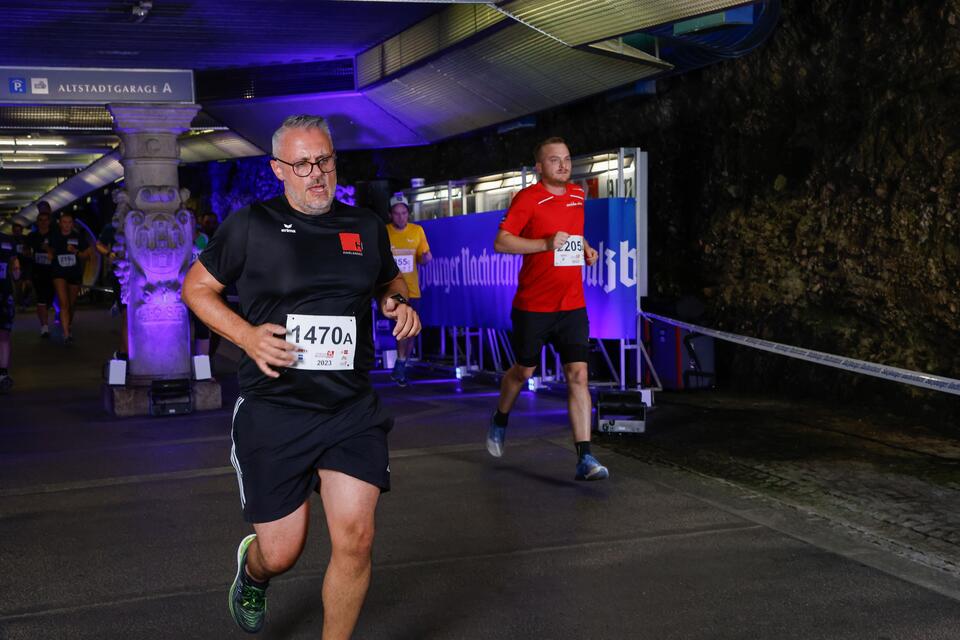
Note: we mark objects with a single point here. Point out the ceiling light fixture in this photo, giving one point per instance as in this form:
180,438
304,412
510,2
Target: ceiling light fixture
33,142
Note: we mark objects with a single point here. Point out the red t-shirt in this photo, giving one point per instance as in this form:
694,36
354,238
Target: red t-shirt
536,213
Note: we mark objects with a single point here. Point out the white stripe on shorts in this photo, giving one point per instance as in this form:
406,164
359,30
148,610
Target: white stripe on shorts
233,451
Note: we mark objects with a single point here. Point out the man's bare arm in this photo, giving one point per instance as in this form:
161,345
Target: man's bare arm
407,320
204,295
506,242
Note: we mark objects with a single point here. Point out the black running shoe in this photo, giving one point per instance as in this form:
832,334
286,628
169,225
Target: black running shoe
247,603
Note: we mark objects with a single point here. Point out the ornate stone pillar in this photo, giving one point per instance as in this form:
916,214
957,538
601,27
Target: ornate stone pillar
156,236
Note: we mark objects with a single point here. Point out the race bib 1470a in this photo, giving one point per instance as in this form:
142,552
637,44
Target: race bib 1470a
324,343
570,254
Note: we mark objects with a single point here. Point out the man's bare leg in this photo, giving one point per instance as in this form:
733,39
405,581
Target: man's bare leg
510,387
60,287
43,315
278,544
512,384
580,407
579,403
350,505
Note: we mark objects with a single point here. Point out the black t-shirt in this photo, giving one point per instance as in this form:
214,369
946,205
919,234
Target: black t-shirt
41,262
286,262
8,250
19,245
65,263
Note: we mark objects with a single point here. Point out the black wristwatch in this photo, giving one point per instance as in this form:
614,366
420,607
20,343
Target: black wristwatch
399,298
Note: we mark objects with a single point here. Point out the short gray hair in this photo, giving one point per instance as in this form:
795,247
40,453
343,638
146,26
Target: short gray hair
298,122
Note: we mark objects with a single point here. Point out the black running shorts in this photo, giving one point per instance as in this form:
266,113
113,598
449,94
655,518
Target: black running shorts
277,450
43,285
567,331
7,307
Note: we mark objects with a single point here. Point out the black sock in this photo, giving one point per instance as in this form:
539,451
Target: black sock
248,579
583,448
500,419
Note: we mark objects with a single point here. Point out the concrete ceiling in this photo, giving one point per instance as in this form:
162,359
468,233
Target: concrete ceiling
225,35
386,73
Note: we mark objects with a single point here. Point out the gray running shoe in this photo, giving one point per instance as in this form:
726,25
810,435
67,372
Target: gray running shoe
495,437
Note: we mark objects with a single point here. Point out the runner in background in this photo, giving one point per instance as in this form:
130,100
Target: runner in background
545,224
410,249
39,244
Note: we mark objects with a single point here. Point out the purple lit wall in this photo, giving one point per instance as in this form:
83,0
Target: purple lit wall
224,187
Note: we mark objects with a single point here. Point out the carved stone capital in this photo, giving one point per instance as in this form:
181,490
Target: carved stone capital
172,119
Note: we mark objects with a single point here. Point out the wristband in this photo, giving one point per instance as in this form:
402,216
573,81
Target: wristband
400,298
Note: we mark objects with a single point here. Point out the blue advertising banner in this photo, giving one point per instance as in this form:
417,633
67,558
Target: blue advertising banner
467,284
44,85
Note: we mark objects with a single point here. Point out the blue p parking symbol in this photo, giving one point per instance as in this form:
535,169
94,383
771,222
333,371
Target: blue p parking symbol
17,85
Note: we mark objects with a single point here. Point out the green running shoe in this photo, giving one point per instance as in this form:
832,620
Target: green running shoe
247,603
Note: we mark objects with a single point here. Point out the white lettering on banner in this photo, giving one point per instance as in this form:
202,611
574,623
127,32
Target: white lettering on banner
470,270
612,268
489,269
628,265
324,343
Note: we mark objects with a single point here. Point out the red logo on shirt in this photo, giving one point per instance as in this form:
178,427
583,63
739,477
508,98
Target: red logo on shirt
350,243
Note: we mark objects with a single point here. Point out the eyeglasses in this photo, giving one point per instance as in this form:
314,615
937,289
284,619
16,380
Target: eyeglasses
302,169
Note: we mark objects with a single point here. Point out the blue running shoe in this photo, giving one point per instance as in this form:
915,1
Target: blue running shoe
589,468
495,437
399,374
247,603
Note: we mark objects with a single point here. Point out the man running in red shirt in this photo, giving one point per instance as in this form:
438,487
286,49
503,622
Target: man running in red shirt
545,225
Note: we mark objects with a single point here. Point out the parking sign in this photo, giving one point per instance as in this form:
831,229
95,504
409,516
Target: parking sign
17,85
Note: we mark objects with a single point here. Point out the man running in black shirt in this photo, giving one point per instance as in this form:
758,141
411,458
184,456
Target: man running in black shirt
307,419
9,275
41,269
67,249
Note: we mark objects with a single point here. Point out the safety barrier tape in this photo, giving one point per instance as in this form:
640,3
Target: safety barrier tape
924,380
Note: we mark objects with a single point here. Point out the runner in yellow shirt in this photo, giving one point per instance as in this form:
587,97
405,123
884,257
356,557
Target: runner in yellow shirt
409,245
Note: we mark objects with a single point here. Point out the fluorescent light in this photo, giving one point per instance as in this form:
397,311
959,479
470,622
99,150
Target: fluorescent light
610,165
33,142
488,186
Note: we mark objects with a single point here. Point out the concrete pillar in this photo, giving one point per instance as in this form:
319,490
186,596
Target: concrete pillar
156,236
